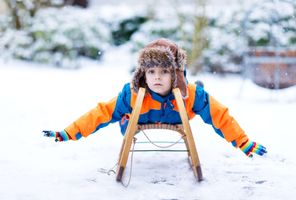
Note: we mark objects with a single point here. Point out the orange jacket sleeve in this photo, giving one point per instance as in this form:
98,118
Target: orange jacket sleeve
101,115
214,113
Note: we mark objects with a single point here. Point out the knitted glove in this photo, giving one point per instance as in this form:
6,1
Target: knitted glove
59,136
252,147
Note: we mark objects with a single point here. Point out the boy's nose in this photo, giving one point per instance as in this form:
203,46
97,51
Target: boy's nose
157,77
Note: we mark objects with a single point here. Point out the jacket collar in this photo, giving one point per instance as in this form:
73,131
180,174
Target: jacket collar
159,98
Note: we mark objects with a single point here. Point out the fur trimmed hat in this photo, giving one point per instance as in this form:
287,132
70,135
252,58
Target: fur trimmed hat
161,53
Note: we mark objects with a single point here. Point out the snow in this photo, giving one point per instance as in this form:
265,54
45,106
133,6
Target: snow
38,97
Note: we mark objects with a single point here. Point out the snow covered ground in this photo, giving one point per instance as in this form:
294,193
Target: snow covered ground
34,98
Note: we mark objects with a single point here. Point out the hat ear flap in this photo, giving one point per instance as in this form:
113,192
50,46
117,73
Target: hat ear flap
181,59
138,80
181,83
142,81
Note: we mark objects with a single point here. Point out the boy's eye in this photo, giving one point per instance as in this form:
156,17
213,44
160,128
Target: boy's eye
150,71
165,71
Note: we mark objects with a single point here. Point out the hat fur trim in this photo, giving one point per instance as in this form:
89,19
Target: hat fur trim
158,56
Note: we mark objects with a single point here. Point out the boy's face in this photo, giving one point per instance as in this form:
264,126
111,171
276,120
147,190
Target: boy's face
159,80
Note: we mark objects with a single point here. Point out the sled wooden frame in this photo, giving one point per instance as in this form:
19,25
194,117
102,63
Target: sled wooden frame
183,129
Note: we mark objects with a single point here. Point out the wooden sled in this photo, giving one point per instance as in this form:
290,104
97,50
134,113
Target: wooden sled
184,129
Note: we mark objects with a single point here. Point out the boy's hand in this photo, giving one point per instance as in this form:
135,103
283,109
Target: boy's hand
249,148
59,136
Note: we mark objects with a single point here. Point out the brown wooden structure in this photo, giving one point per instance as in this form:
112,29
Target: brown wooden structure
184,129
271,68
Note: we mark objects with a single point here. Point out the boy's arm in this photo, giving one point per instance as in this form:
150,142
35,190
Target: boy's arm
98,117
214,113
102,115
224,124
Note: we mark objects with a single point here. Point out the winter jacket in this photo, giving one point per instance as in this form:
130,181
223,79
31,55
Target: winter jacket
158,109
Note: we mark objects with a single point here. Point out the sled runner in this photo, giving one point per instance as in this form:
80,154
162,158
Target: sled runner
184,129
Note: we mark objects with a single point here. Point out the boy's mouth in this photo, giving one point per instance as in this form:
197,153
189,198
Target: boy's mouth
157,84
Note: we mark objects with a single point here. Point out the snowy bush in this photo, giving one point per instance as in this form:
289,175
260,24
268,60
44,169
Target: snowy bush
61,35
123,21
5,23
225,42
221,40
222,45
123,30
171,26
232,33
21,11
58,36
154,29
270,23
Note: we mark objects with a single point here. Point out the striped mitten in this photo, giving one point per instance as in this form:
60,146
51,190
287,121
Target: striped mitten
252,147
61,136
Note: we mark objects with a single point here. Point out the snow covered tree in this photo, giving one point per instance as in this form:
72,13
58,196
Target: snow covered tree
22,9
56,35
270,23
199,42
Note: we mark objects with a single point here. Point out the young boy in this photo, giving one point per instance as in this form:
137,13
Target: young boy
161,67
